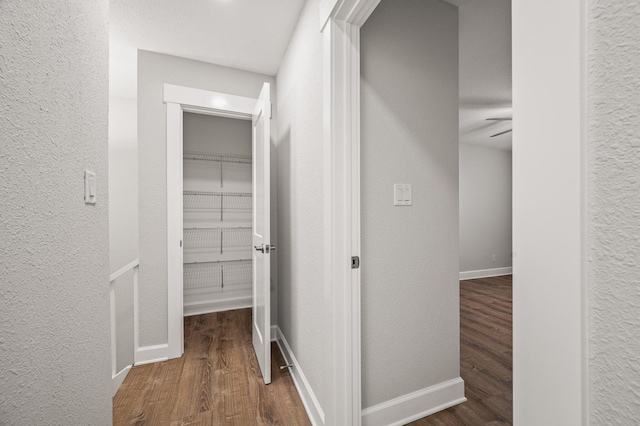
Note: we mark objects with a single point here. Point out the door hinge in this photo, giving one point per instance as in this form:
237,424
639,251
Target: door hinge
355,262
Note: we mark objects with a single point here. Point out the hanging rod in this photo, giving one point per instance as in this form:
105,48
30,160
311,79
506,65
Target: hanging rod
217,261
219,194
226,158
206,228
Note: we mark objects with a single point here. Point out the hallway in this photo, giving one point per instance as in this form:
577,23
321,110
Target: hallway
216,382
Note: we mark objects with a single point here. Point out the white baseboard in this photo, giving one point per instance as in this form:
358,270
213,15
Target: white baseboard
415,405
216,306
309,400
274,333
486,273
118,378
149,354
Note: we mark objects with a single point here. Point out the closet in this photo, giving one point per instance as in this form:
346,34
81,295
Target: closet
217,214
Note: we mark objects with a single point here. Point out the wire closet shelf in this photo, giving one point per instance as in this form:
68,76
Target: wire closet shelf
202,200
217,238
220,275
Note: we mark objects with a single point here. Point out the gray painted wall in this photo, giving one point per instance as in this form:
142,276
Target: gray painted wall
123,216
155,69
409,76
300,217
614,211
123,181
54,254
208,133
485,208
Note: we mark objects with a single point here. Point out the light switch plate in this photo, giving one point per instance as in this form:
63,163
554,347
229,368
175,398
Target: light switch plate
402,194
89,187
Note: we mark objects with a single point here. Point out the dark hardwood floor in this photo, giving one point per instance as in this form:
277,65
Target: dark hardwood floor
485,356
216,382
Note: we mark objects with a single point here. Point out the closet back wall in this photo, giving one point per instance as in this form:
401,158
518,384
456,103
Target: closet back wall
204,133
217,228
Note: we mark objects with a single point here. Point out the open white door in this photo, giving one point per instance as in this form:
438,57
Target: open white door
261,319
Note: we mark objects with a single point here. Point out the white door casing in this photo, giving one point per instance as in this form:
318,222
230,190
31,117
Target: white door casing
340,22
178,100
261,314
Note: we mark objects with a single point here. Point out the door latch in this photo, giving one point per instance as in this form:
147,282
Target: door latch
265,248
355,262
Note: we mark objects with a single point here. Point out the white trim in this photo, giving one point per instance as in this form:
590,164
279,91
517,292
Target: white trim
150,354
309,400
178,100
415,405
198,308
175,317
341,406
274,333
486,273
211,102
340,23
584,213
354,12
112,313
136,313
118,378
552,65
124,270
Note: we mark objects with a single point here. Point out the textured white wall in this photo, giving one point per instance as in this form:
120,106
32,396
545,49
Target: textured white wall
54,255
300,222
155,69
410,323
485,208
614,211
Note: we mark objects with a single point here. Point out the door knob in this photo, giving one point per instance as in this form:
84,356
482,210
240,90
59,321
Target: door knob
260,248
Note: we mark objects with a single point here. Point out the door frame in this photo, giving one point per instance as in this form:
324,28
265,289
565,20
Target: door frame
340,22
180,99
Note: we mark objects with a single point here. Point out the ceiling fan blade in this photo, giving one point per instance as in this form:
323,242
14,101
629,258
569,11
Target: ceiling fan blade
502,133
500,119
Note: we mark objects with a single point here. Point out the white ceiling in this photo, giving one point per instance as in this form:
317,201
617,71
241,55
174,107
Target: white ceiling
252,35
485,71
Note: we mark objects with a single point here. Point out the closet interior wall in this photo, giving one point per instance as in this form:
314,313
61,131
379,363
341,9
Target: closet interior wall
217,213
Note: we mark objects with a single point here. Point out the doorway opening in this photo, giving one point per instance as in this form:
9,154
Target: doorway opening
218,208
217,195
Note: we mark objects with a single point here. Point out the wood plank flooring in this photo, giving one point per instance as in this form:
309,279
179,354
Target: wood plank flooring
485,356
216,382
